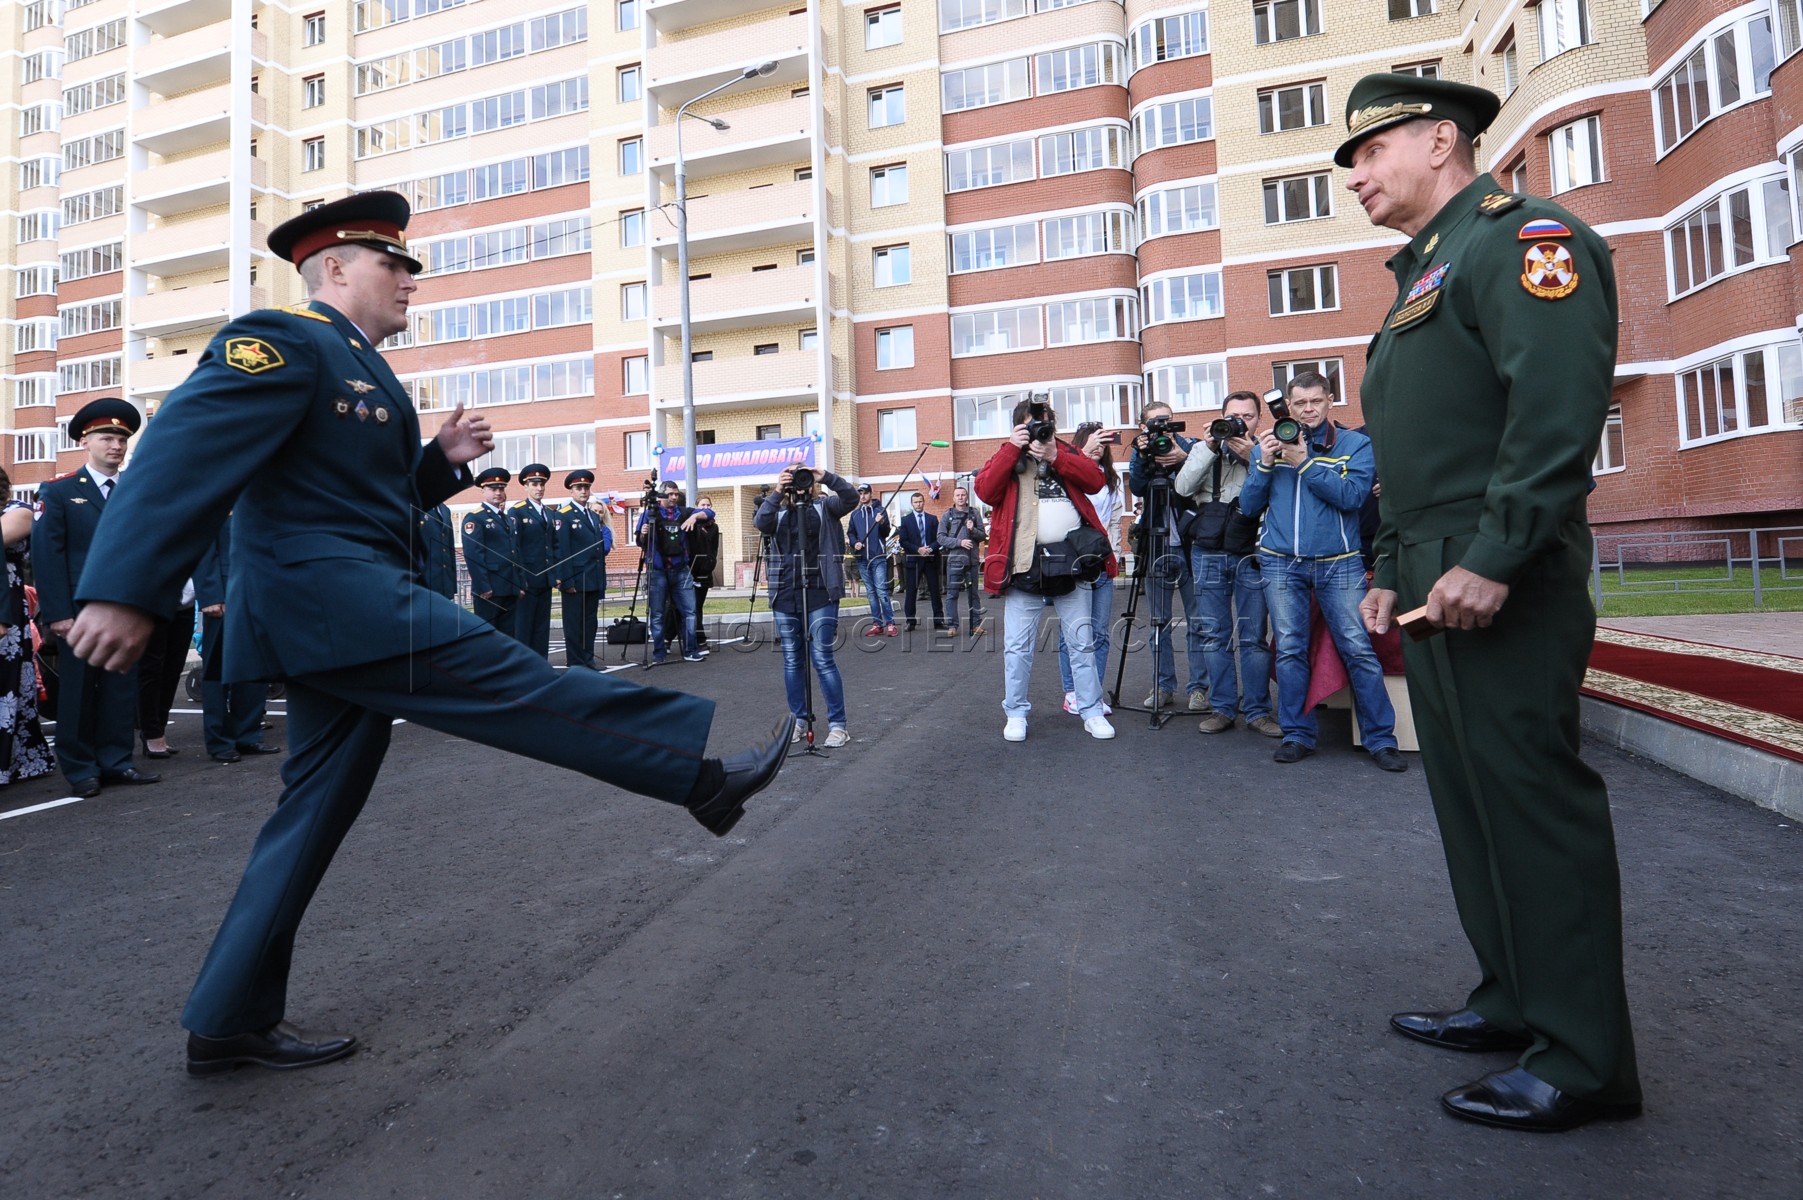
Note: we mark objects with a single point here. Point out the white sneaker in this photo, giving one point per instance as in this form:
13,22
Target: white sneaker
836,737
1070,703
801,732
1016,730
1099,728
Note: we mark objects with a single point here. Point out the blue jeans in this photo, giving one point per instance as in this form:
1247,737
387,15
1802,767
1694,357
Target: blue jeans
1172,574
1230,592
673,584
1338,584
1101,612
875,574
823,627
1020,637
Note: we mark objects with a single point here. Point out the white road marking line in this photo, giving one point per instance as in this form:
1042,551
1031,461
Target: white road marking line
20,812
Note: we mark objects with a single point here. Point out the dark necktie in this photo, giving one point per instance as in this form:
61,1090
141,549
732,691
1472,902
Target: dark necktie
106,489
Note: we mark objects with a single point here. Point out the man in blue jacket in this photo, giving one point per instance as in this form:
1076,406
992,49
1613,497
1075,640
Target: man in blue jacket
311,443
869,538
1310,491
583,543
663,536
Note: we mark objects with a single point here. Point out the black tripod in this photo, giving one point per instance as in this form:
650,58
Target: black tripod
1152,547
632,609
799,511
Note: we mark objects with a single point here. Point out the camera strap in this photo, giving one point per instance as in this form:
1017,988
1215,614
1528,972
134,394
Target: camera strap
1219,454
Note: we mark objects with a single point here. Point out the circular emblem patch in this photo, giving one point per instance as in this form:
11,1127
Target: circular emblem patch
469,527
1548,272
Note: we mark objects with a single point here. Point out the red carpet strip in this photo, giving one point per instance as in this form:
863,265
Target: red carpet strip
1743,695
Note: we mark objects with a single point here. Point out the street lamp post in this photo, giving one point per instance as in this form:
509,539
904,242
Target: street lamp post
690,473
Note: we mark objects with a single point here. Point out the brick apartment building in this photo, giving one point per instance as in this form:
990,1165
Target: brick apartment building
922,211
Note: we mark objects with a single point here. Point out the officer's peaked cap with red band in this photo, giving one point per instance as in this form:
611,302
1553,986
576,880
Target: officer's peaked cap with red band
377,219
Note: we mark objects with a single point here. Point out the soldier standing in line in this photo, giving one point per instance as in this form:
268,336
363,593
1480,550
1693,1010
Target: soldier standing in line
535,549
438,550
583,544
1485,459
488,552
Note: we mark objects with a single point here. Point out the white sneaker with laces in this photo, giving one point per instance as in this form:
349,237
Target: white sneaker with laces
1099,728
1016,730
836,737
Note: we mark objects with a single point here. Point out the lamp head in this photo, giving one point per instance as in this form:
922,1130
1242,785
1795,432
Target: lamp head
716,122
939,445
767,67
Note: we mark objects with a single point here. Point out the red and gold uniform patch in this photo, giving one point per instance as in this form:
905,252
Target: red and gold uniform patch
251,355
1547,271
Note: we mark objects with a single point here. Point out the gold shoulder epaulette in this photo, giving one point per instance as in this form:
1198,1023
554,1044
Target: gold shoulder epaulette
1497,203
301,310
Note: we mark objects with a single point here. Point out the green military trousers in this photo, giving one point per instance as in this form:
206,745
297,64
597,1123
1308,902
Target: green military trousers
1525,822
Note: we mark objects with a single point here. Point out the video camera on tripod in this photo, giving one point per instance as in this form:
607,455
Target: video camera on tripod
648,497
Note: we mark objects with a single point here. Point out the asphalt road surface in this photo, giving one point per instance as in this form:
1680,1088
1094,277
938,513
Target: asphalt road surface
930,965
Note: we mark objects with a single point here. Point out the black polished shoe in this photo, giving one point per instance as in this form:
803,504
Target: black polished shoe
87,789
1514,1099
1290,752
129,775
280,1048
1460,1030
1389,759
259,749
747,773
230,756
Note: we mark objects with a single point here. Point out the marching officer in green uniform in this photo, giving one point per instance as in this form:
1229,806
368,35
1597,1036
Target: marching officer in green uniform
488,552
312,444
1485,393
535,549
583,543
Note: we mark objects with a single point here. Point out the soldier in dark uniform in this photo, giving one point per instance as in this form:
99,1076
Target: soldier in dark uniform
583,544
488,552
231,713
535,549
314,447
1485,392
94,710
438,550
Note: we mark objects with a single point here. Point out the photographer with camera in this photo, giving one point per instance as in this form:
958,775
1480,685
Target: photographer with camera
806,567
663,536
961,537
1159,451
870,550
1229,587
1310,477
1045,539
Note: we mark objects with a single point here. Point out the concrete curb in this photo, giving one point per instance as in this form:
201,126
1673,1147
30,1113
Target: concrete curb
1768,780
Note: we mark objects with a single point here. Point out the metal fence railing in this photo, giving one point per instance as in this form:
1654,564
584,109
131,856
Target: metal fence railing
1699,561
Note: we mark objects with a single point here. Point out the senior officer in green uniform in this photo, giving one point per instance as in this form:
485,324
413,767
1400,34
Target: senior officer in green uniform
1485,393
311,440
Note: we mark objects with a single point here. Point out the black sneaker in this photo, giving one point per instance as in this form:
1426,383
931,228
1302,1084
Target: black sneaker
1291,752
1389,759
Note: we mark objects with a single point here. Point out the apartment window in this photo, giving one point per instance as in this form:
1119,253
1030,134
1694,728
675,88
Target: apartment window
1182,36
808,339
962,14
1731,232
895,347
91,260
1747,392
1175,124
1186,386
1402,10
37,333
628,84
1281,20
313,29
97,39
37,118
632,156
994,248
39,226
1511,67
628,11
632,228
34,281
1577,154
96,317
1422,70
895,429
313,154
1286,108
33,447
1303,290
987,416
494,317
888,185
1329,368
45,64
764,348
502,179
635,375
804,258
313,91
993,83
1096,319
1728,68
38,14
34,391
883,27
39,172
888,106
1183,209
769,433
1077,67
1084,234
1298,198
997,331
1612,451
988,166
499,247
568,306
1082,150
1193,297
701,356
1564,25
638,450
1517,175
803,174
632,302
892,265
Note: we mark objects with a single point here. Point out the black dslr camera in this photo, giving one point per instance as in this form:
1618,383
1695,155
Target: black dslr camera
1285,428
1040,425
1158,435
801,483
1222,428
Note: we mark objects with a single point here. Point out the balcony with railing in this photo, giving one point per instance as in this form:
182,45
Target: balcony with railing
741,301
763,135
744,382
743,219
676,71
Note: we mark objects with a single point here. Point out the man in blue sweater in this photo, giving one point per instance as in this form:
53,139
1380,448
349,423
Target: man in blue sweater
1310,491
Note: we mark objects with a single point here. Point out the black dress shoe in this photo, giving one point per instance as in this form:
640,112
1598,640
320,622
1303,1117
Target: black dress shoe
230,756
1290,752
1389,759
129,775
1460,1030
259,749
87,789
1514,1099
747,773
280,1048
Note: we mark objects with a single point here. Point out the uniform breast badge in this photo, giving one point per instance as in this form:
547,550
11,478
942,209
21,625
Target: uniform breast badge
341,406
1548,272
362,411
251,355
361,386
381,415
469,527
1421,300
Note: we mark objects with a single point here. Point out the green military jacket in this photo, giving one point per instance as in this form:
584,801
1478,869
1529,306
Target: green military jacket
1486,390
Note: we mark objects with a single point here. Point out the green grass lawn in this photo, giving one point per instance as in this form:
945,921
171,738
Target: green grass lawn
1682,591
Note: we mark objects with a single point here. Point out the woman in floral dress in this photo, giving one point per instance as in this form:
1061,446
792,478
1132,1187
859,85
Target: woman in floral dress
23,752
